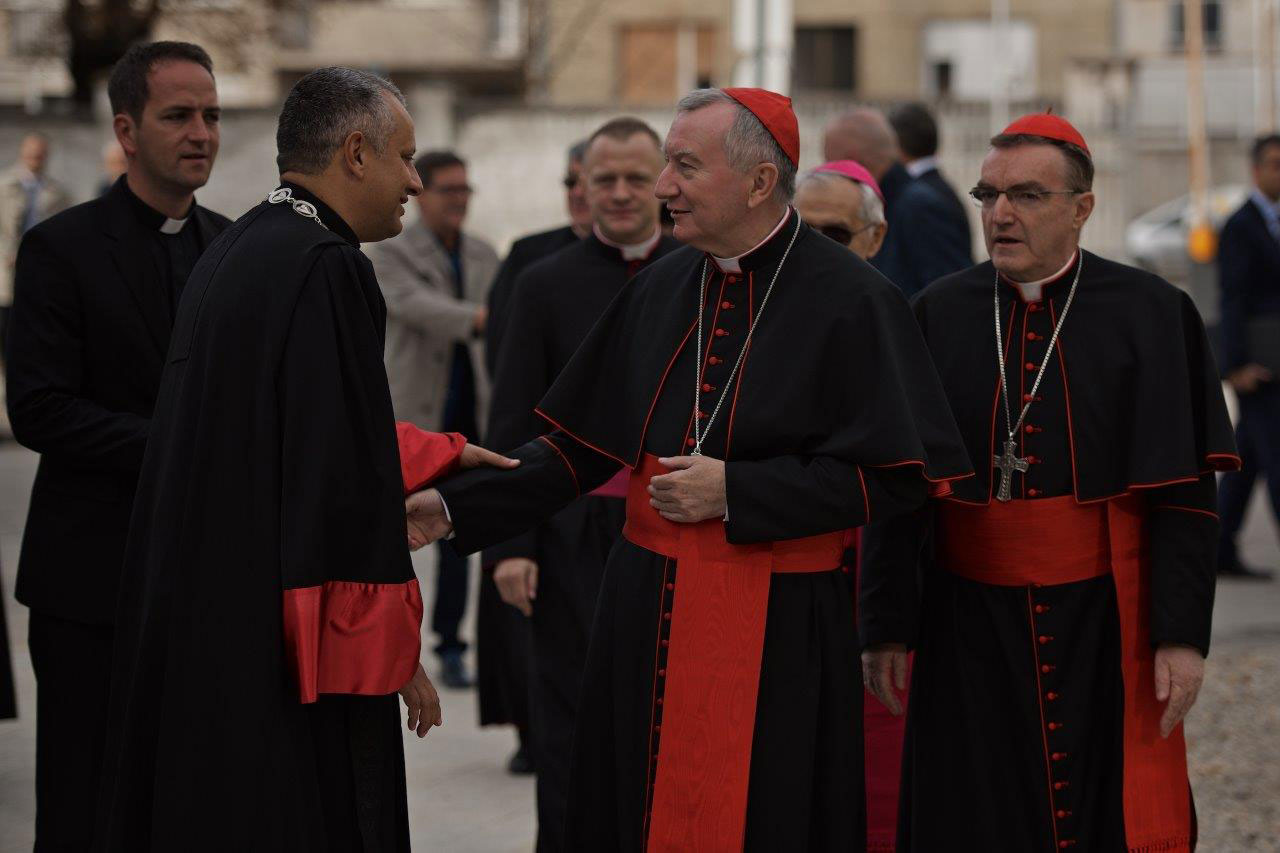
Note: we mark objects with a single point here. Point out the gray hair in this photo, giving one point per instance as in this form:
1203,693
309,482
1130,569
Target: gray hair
748,141
870,211
324,108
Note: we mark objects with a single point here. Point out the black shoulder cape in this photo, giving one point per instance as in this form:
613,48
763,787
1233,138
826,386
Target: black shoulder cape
880,403
1145,403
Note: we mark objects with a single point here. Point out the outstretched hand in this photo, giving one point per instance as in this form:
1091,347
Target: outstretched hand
1179,674
425,518
473,456
884,671
422,703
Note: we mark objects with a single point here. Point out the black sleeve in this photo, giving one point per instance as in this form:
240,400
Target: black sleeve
790,497
1183,526
889,570
44,366
522,377
490,505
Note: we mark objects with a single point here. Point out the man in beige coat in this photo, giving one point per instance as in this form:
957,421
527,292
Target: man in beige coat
435,279
27,196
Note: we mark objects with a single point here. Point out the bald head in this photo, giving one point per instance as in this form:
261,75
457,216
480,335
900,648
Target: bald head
864,135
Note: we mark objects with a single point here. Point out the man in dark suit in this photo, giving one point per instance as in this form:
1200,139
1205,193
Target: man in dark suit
1249,277
95,291
925,240
918,142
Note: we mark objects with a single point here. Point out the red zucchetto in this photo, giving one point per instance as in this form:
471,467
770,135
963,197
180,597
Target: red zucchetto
1049,126
775,113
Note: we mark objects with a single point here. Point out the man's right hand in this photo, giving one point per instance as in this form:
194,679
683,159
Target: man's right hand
884,668
422,703
517,582
1247,379
425,518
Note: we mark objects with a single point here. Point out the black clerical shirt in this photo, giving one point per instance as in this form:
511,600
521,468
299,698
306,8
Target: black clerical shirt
175,246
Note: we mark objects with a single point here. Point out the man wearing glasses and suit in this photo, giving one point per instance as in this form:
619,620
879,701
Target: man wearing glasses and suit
435,279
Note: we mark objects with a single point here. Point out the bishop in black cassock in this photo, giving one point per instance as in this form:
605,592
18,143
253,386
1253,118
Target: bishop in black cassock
554,305
721,700
1074,574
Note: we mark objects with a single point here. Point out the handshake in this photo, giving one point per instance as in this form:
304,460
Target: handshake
426,518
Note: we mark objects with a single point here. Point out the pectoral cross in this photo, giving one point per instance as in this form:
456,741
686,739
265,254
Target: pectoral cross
1008,462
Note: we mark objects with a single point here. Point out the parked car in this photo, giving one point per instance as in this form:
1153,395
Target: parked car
1157,241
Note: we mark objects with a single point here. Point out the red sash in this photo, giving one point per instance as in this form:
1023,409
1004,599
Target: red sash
1057,541
713,667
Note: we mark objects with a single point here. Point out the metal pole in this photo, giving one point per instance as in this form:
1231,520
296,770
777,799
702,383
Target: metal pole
1200,239
1000,65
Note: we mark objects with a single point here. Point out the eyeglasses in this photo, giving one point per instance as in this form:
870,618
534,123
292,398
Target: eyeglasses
1021,199
840,234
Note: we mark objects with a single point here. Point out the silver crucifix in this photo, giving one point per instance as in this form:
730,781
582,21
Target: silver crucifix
1008,462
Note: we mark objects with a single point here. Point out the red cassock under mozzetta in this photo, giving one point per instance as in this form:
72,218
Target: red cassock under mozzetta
365,638
1057,541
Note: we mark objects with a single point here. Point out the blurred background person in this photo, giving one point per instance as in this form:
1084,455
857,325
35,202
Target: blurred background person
843,201
95,291
435,279
917,132
27,196
553,572
502,631
114,164
534,247
1249,277
923,243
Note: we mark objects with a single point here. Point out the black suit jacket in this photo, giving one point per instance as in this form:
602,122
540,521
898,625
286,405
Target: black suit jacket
87,342
925,240
523,252
959,211
1249,279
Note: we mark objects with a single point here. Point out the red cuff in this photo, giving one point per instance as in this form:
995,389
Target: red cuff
426,456
357,638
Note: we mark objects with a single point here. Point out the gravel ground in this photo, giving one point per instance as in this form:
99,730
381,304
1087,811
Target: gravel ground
1233,747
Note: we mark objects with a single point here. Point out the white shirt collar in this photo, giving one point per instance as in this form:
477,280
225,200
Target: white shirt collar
173,226
633,251
1033,291
916,168
734,264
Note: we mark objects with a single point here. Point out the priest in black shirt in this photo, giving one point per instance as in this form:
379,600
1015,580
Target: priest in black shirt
553,573
1068,589
720,705
96,288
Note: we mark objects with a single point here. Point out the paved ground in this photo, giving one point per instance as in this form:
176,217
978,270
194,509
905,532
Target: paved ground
461,800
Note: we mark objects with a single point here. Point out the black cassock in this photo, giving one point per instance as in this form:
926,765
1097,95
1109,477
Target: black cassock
502,633
834,416
1016,727
267,572
553,306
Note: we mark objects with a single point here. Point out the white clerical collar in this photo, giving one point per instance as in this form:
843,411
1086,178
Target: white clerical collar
734,264
173,226
916,168
633,251
1033,291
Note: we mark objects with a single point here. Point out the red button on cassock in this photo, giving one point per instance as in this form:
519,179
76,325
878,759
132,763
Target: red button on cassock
702,416
1053,727
1031,336
1058,786
1051,696
720,333
714,360
726,305
1029,429
689,442
1029,366
1046,668
666,643
667,616
1033,307
1040,608
1026,398
662,673
1031,493
659,700
707,387
732,279
671,586
1044,639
